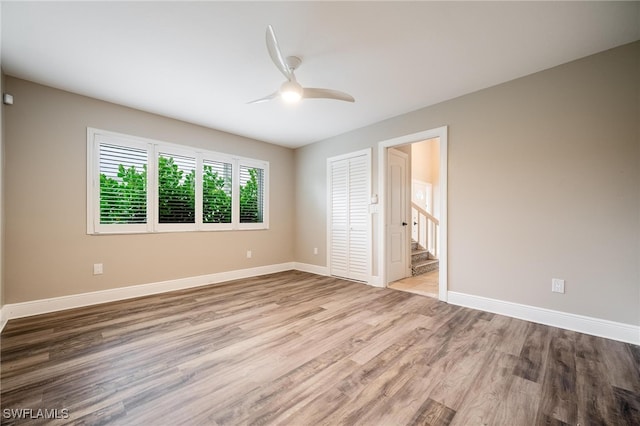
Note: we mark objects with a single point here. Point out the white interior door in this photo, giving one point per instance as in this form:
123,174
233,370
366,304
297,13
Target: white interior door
349,190
397,245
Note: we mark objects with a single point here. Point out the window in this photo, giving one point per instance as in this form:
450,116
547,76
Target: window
217,177
123,184
251,194
138,185
176,198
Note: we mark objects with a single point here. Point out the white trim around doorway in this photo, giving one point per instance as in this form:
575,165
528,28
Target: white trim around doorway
441,133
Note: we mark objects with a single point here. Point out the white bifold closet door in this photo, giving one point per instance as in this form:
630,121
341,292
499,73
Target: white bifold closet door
349,191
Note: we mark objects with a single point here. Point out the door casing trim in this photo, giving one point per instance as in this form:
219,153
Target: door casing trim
441,133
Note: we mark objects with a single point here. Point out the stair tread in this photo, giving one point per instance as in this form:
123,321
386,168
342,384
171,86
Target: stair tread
419,251
426,262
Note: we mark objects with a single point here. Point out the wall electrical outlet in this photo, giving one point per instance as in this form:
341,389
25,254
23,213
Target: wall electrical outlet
97,269
249,254
557,285
315,250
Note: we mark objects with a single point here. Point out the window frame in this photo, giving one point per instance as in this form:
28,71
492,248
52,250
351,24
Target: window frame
154,148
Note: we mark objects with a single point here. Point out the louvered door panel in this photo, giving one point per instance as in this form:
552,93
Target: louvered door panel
339,237
358,218
349,221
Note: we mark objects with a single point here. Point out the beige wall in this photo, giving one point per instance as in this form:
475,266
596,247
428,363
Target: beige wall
425,166
421,161
47,251
543,183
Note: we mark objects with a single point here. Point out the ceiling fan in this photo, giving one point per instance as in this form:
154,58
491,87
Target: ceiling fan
291,91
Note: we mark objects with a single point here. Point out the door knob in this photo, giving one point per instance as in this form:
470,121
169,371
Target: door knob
404,223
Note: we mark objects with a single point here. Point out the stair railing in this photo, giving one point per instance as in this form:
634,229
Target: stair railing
427,227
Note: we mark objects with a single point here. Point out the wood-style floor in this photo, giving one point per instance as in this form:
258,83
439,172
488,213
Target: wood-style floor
299,349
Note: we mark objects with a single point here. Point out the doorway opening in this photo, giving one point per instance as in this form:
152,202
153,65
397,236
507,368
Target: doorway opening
414,215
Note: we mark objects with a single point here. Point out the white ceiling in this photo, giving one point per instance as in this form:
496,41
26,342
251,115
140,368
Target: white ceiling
202,61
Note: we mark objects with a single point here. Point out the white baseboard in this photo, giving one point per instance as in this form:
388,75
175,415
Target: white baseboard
3,318
376,281
313,269
583,324
43,306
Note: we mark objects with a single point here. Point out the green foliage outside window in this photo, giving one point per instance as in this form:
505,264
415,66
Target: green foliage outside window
249,208
176,193
123,200
216,197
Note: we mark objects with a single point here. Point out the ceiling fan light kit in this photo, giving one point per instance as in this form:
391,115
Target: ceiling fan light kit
291,91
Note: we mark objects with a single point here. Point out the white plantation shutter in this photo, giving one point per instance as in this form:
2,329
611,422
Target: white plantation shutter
349,217
137,185
174,204
217,191
122,184
252,180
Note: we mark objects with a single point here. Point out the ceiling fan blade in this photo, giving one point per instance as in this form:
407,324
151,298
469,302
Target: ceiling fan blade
276,55
266,98
311,92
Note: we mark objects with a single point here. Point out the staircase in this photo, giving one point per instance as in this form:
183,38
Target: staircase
421,260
